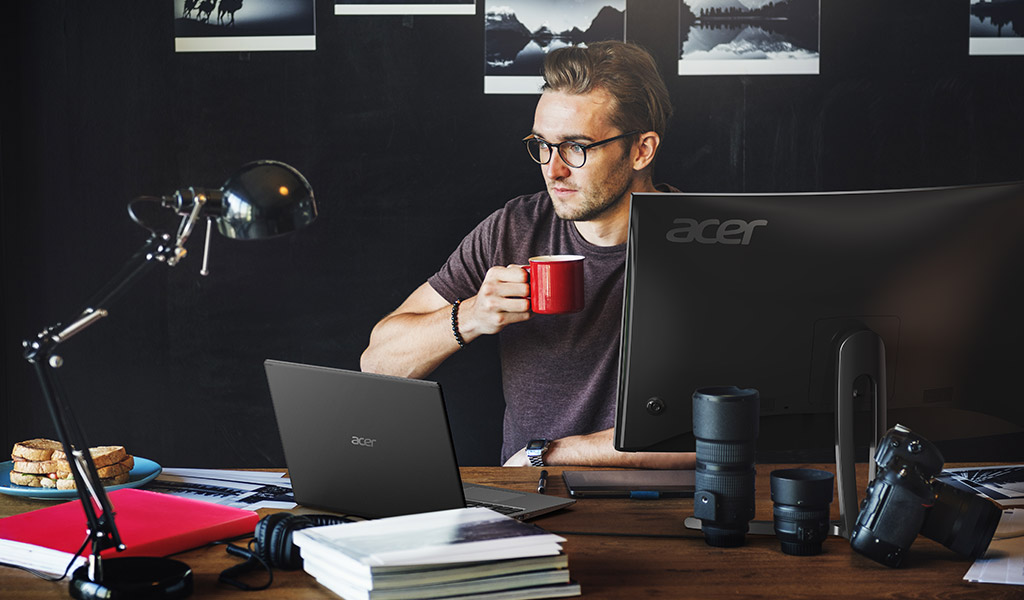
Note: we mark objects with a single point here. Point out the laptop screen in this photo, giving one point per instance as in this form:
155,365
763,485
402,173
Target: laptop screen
364,444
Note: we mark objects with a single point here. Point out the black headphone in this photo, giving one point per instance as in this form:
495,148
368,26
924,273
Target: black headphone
272,546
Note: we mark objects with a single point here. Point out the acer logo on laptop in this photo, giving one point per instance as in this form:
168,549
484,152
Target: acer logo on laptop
363,441
713,231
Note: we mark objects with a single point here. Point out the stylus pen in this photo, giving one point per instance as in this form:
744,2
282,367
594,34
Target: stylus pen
542,483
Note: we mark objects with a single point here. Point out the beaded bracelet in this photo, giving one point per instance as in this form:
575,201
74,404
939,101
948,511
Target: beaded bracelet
455,323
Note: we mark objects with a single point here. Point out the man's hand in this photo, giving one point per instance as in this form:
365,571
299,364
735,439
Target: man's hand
598,450
503,299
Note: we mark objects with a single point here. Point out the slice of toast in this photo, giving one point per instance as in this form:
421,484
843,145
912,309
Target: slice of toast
101,455
29,480
69,484
64,469
38,467
36,449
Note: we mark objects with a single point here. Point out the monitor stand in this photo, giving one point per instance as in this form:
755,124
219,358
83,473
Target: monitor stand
859,378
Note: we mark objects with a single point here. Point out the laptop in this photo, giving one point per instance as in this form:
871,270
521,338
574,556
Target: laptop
377,446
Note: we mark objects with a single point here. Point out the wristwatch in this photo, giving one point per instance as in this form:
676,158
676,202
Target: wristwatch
535,450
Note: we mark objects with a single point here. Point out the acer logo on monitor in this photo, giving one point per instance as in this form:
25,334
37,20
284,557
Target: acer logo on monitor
363,441
714,231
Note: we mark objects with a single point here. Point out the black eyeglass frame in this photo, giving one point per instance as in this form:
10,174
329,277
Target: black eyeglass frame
558,147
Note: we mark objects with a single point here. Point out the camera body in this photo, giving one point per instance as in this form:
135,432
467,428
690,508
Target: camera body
905,500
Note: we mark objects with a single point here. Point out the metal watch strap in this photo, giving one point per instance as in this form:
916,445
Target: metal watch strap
536,455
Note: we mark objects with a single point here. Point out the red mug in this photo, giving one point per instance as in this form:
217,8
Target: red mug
556,284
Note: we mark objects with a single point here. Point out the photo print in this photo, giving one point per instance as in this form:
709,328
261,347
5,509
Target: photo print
748,37
405,7
997,27
519,33
1002,483
244,25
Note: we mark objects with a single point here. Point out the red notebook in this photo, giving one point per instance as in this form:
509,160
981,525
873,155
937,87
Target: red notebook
150,524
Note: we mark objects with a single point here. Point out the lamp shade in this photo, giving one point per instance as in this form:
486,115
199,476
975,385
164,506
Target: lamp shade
265,199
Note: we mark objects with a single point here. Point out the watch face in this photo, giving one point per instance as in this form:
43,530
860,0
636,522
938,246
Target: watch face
536,444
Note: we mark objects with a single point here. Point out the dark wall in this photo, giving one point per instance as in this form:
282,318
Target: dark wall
388,121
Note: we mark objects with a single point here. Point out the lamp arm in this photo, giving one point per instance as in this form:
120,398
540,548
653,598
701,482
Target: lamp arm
188,223
160,247
102,531
41,354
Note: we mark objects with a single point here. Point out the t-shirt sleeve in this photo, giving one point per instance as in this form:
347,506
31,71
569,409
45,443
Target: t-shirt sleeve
464,271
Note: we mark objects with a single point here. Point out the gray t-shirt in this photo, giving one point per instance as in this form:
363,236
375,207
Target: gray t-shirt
559,372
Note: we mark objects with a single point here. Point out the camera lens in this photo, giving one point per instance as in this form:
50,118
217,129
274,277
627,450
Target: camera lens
801,500
961,521
725,423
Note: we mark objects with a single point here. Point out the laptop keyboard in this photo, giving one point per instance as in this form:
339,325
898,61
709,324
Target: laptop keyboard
501,508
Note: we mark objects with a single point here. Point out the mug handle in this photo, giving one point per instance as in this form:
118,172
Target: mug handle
528,267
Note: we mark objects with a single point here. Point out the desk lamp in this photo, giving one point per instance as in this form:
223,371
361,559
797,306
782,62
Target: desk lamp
263,199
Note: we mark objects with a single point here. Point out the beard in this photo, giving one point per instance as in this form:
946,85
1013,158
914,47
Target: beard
595,198
591,208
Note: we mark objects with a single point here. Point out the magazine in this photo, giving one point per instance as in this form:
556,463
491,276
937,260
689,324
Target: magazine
465,552
346,589
447,536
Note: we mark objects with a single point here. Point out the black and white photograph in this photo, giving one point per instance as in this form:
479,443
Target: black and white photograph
1004,483
405,7
997,27
748,37
519,33
244,25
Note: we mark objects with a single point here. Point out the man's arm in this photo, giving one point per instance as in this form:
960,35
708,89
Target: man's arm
598,450
417,337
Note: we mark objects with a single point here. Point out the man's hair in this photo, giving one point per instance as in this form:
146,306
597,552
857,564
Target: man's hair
626,71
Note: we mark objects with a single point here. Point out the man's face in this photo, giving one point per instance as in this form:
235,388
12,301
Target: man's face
588,192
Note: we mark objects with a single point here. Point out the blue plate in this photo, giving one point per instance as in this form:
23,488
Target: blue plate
144,471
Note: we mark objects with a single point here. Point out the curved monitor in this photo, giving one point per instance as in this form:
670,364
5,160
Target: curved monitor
753,290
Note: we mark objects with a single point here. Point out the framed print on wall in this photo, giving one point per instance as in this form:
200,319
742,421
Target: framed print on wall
519,33
244,25
748,37
997,27
405,7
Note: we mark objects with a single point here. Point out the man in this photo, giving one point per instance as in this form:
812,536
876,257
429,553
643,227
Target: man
596,130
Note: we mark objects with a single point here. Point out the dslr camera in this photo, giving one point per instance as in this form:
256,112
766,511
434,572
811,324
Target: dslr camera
906,499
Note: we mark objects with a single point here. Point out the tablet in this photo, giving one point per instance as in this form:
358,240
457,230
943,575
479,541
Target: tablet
644,483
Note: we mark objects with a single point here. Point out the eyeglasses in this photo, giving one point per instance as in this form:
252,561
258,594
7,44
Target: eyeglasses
573,154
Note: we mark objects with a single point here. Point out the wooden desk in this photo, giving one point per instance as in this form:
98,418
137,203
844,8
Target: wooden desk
622,549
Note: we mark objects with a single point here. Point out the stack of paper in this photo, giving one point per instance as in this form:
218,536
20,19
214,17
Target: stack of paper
466,553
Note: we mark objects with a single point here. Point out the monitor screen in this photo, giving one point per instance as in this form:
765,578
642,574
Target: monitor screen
753,289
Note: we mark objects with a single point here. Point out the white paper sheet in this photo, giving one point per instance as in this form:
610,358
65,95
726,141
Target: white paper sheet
1004,560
